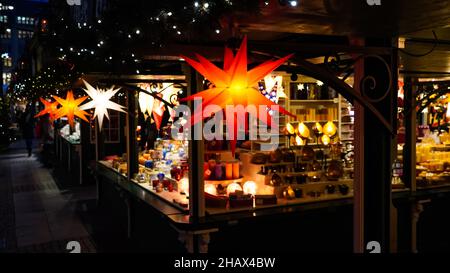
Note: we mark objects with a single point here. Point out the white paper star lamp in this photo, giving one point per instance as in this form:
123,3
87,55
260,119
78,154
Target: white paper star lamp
101,102
146,103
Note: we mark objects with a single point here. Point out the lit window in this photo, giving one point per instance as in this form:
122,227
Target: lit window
3,19
7,62
6,78
24,34
7,34
25,20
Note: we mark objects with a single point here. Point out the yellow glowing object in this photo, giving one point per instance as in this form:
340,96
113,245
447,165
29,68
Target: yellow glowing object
329,129
50,108
101,102
234,85
448,110
250,187
290,129
299,141
233,187
303,130
211,189
183,186
69,108
318,128
325,140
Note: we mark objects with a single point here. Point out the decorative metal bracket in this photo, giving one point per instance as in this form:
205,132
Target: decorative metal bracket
325,75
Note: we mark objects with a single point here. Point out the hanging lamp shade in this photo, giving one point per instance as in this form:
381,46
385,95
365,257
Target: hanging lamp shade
290,129
325,139
317,129
303,130
329,129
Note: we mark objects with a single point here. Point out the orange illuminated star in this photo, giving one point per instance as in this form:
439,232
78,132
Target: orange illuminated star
69,108
234,84
50,108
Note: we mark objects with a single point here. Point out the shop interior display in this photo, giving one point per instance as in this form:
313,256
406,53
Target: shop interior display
71,134
312,164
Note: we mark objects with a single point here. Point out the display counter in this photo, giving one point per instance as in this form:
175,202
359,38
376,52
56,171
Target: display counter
69,153
309,213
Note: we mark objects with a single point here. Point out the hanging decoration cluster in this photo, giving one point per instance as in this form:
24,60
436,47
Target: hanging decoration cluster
234,85
154,108
70,107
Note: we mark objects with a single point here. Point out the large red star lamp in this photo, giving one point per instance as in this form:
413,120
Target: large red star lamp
49,108
234,85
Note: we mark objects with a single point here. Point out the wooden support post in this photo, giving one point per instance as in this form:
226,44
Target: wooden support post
375,150
99,143
132,147
358,181
410,122
84,150
196,156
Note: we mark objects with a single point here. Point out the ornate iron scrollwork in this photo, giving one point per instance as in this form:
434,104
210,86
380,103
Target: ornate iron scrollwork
370,82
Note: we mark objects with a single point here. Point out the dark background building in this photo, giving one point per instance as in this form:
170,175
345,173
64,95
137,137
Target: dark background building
20,20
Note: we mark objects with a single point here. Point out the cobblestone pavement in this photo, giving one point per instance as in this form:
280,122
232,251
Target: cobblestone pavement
36,214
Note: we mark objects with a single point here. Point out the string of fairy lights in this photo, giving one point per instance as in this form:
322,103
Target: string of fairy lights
110,42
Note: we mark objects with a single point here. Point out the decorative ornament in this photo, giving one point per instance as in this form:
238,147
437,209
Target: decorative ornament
70,108
155,108
50,108
101,101
234,85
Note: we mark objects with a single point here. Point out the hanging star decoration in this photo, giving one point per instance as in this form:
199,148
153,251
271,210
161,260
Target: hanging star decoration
70,108
155,108
234,85
50,108
101,102
273,88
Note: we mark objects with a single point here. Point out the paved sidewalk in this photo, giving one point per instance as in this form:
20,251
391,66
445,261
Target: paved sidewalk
36,214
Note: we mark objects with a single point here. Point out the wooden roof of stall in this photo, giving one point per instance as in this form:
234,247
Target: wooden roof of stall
318,27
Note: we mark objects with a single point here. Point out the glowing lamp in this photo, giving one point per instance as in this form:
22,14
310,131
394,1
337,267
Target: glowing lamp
183,185
233,187
69,108
234,85
250,187
303,131
448,110
329,129
325,140
101,102
50,108
299,141
290,129
317,129
211,189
